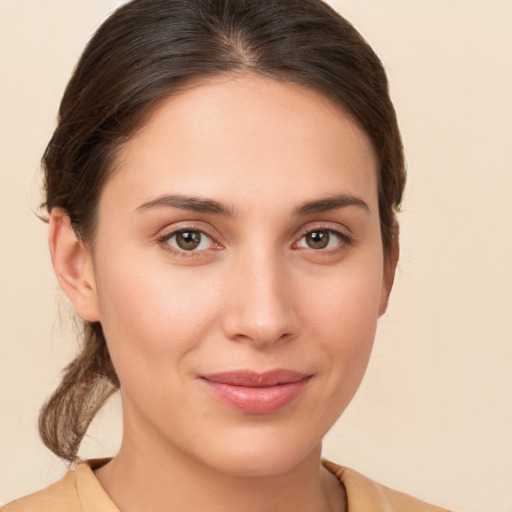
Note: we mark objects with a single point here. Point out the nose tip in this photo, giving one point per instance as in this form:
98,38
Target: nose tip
262,332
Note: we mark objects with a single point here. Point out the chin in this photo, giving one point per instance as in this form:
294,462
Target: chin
260,455
259,465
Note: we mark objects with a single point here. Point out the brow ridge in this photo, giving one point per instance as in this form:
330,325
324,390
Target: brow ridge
331,203
192,203
202,205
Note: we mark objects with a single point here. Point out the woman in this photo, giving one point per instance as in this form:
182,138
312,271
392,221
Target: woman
221,191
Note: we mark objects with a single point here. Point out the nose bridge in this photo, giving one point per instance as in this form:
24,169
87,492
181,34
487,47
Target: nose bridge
262,310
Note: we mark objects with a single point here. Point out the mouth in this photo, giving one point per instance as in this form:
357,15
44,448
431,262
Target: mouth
257,393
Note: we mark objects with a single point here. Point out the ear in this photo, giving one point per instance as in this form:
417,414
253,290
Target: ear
389,269
72,262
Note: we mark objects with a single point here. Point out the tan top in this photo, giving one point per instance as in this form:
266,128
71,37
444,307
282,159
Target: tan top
80,491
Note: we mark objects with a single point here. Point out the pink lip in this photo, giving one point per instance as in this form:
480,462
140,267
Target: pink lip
257,393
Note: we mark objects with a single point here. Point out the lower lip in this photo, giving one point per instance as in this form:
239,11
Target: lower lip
257,400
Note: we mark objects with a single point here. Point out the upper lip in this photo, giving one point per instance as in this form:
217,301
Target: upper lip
253,379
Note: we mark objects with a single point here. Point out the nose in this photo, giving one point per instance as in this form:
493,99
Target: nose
262,305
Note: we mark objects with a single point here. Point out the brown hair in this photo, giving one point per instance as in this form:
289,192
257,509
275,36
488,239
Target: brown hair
149,49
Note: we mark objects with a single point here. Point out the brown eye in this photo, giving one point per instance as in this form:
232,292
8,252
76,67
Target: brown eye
188,240
318,239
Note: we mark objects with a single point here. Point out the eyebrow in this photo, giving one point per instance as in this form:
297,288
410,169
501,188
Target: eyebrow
196,204
331,203
199,204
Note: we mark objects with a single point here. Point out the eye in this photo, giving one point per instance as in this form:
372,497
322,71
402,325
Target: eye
318,239
188,240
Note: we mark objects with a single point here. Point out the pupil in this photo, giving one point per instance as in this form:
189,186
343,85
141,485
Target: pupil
318,239
188,240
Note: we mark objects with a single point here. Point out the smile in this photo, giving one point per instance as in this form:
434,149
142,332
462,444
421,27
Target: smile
257,393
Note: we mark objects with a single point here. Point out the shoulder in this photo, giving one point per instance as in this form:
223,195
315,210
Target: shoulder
77,491
366,495
58,497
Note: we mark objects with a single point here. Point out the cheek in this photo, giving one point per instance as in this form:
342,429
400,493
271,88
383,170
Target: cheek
346,307
345,320
151,314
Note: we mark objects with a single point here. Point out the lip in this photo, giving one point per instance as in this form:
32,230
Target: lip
257,393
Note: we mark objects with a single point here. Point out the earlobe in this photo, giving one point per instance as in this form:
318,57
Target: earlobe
390,270
72,263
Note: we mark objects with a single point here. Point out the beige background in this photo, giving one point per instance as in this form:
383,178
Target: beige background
434,415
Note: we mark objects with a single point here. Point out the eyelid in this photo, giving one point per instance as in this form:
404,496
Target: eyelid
173,230
168,233
346,239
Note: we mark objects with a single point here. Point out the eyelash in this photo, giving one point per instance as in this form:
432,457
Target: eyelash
345,240
163,241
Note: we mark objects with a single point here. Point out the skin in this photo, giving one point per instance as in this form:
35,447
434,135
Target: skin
253,296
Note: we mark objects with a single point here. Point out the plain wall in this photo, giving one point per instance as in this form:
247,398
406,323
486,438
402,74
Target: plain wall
434,414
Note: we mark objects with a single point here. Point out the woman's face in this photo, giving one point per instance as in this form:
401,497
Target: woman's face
238,273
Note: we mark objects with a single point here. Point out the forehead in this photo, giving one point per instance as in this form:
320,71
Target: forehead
243,138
